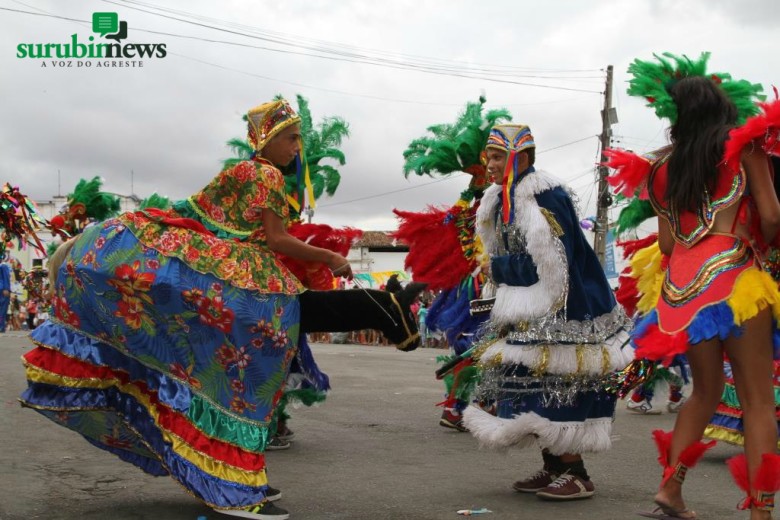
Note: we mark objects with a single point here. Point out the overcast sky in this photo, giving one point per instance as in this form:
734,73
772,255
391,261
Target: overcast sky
168,121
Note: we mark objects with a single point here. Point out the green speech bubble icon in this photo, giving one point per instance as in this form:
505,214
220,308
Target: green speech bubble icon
105,23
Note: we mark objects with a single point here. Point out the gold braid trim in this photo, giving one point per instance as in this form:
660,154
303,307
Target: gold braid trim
555,227
480,350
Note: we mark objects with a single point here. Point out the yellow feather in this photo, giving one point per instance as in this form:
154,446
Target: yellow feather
646,268
754,291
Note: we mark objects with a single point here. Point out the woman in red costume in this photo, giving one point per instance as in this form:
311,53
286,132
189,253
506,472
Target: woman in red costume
717,209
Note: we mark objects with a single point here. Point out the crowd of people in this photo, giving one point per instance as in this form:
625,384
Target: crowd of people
21,309
547,345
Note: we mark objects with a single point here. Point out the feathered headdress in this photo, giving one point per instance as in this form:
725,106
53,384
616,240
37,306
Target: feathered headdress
306,178
456,147
443,248
86,203
652,81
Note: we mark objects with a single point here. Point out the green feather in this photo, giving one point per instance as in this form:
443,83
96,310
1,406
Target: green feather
651,80
155,201
633,215
453,147
99,205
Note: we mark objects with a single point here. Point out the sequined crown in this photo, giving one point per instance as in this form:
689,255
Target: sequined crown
267,120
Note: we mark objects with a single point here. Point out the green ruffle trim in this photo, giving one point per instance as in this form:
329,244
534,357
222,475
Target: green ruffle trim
185,210
250,436
729,397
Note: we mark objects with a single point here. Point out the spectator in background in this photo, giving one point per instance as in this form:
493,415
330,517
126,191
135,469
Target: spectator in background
14,311
5,293
32,313
422,313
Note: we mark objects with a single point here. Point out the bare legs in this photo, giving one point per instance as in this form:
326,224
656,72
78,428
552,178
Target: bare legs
706,361
751,359
751,362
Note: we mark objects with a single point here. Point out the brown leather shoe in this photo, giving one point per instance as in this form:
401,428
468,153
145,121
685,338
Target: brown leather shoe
567,487
536,482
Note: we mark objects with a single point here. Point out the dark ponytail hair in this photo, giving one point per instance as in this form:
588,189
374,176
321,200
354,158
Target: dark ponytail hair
704,117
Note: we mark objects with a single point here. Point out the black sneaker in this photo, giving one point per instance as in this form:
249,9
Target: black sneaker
273,494
265,511
277,444
286,435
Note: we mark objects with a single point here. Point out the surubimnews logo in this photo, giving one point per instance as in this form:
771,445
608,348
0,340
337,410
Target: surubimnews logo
103,54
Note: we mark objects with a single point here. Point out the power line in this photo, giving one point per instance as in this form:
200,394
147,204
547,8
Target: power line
355,51
379,98
375,61
436,181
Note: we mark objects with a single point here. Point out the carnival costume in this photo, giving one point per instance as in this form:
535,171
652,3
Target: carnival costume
444,250
555,328
714,282
173,332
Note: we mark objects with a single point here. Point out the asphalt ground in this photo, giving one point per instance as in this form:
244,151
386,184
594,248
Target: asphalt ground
373,450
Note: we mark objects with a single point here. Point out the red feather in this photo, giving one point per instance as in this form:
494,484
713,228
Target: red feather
627,293
768,474
767,478
693,453
632,246
436,254
689,457
663,441
316,275
765,125
631,175
659,346
739,472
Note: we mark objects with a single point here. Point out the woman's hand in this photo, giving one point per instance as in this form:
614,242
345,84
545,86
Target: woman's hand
340,266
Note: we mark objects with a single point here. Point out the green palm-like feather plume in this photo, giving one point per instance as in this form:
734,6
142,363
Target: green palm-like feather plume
652,80
155,201
453,147
99,205
320,143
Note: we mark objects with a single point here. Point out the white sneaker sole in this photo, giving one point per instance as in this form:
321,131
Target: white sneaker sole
581,494
247,514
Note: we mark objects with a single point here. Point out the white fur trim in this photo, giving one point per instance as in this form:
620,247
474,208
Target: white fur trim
563,359
515,304
527,429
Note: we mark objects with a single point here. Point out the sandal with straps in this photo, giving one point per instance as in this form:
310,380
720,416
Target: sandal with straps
667,512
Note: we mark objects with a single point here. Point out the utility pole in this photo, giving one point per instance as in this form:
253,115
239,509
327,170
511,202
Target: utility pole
604,201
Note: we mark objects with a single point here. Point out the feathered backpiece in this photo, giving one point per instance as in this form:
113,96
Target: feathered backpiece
19,220
155,201
763,127
315,275
443,248
454,147
652,80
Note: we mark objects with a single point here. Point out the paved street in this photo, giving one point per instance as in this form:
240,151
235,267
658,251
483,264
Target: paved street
374,450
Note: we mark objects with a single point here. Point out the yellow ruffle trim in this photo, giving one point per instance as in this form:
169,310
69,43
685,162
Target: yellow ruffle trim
206,463
720,433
